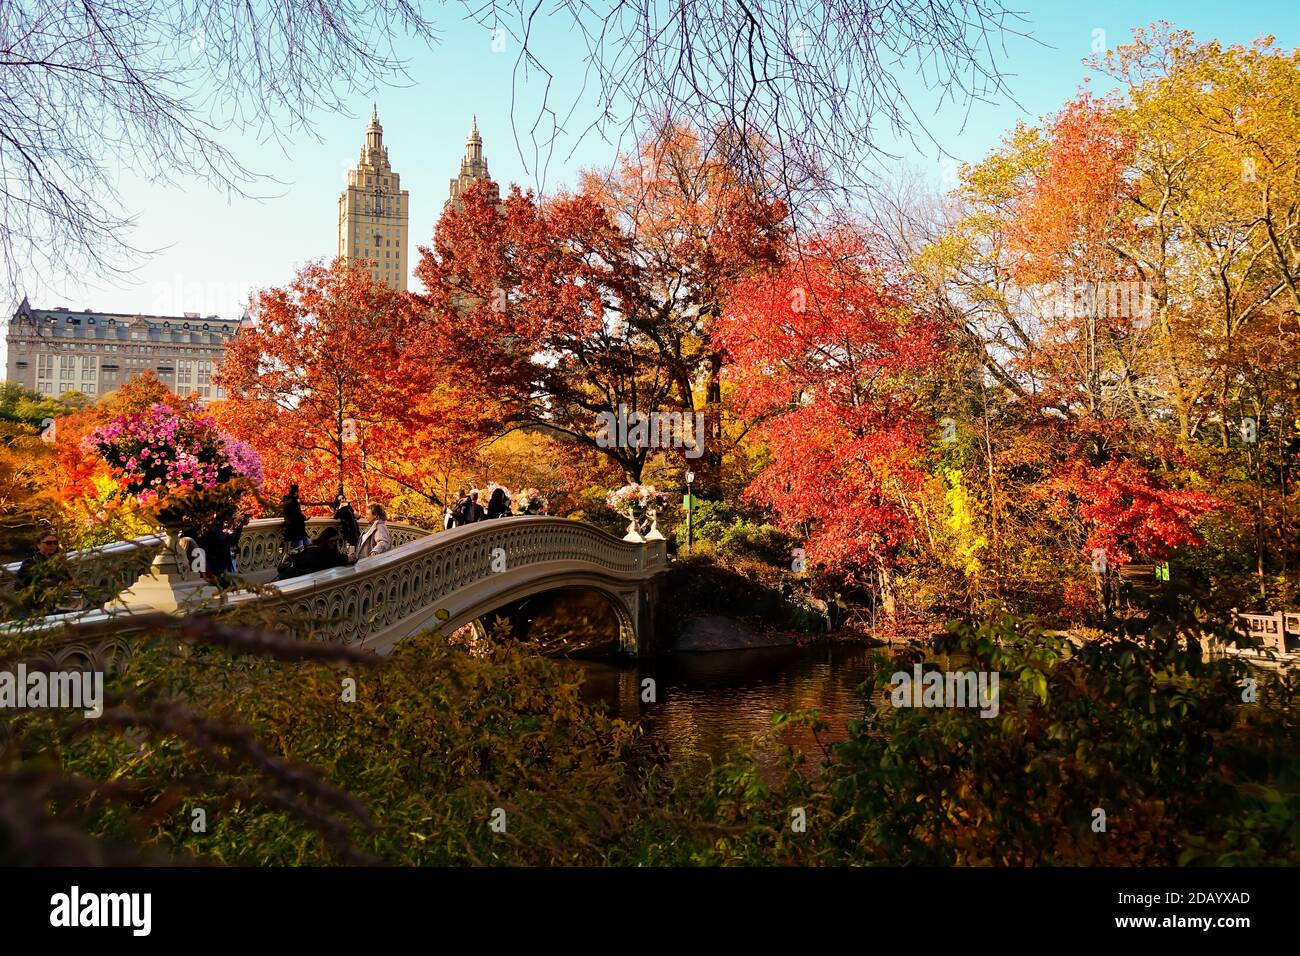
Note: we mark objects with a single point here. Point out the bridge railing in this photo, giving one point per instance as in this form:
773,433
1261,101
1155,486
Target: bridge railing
354,603
402,590
104,572
261,546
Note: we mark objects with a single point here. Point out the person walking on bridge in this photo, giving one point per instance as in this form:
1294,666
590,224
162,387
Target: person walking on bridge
349,527
499,504
295,522
449,518
468,510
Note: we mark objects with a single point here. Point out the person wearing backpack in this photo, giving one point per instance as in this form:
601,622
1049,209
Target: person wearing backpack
468,510
449,518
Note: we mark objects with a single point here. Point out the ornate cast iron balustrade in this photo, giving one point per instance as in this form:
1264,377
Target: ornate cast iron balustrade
442,580
103,572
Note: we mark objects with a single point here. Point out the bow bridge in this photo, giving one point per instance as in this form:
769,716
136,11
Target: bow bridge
446,580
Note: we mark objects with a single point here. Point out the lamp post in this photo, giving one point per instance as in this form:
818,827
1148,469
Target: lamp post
690,508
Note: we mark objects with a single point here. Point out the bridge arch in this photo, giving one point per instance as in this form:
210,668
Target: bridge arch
626,605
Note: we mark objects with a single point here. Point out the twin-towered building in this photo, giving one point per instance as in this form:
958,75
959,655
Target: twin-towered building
58,350
374,209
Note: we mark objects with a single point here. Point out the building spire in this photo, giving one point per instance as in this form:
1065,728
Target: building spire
473,165
374,132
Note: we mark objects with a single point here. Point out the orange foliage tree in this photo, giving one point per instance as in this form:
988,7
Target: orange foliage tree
336,385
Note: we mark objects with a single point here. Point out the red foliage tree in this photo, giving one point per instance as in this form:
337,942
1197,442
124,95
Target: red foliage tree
573,307
1130,513
523,301
826,358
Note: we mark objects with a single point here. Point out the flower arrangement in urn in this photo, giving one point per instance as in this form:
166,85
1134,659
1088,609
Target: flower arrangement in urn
531,502
638,502
175,464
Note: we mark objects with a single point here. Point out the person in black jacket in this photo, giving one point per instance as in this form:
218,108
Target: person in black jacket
468,510
320,555
349,527
295,522
215,542
498,504
449,518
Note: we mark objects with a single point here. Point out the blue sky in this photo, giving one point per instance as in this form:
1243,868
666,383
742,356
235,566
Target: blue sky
217,249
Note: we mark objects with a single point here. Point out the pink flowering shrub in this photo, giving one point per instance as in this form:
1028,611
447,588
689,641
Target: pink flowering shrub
244,460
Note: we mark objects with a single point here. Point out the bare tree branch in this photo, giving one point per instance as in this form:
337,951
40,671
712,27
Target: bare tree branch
800,90
91,87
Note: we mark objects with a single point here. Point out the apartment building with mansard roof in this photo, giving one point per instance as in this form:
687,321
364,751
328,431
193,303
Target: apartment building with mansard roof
59,350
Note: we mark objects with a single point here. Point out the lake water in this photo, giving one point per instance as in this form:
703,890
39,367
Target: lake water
705,702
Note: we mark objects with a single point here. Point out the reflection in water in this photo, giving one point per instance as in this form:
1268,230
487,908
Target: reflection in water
705,702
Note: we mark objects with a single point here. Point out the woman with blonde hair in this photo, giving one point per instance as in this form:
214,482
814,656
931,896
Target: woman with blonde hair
376,539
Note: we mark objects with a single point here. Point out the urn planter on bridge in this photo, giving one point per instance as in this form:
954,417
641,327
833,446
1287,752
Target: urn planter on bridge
167,585
174,465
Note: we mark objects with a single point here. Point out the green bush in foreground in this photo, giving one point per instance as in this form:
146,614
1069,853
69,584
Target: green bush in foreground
289,772
1184,769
